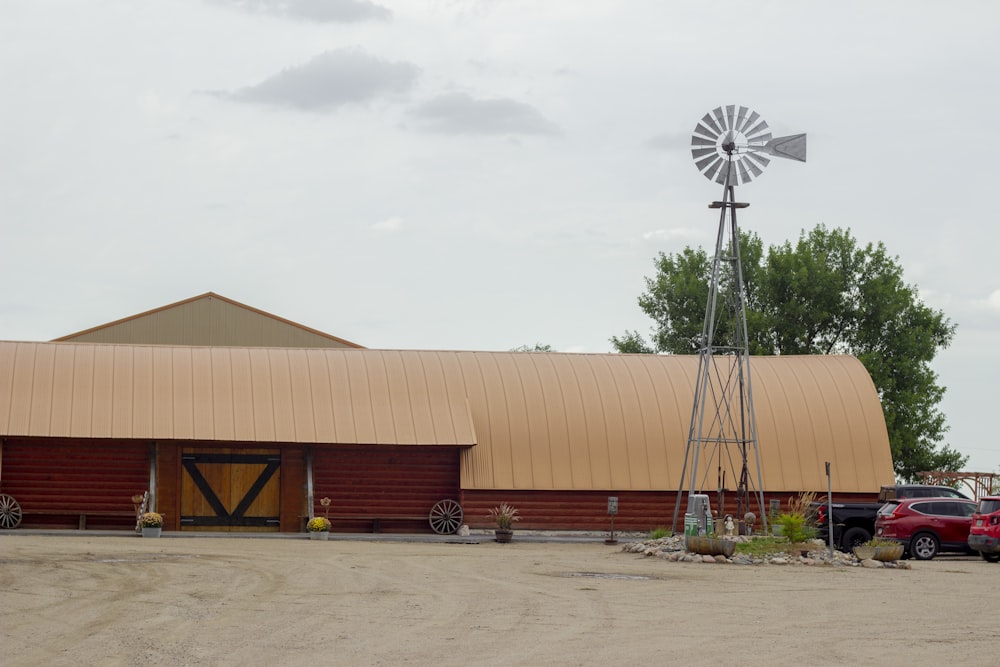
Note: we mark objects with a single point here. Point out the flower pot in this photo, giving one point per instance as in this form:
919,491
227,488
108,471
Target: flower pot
319,535
504,535
885,553
889,552
151,531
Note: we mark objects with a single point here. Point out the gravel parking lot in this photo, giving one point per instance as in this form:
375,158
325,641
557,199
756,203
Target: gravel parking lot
79,599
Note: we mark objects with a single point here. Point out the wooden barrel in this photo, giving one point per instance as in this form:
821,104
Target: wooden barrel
709,546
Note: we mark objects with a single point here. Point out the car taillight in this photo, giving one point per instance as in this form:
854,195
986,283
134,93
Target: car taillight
995,520
821,515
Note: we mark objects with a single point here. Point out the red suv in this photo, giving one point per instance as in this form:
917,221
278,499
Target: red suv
927,526
984,536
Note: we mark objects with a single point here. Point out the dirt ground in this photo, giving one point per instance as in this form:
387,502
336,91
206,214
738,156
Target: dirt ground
78,599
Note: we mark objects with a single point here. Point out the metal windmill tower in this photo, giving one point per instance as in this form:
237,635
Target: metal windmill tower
730,146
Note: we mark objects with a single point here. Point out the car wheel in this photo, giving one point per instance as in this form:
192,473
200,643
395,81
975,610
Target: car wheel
854,537
924,546
990,558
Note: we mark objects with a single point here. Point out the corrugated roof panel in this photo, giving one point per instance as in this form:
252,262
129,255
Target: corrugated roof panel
182,386
362,412
142,393
34,371
637,450
612,423
121,402
404,397
263,392
161,379
102,414
554,430
499,433
244,425
320,392
537,469
578,434
200,395
514,421
303,410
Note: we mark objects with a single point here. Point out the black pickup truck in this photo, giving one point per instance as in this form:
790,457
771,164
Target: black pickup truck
854,523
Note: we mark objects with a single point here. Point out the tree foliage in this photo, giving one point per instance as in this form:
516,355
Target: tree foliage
537,347
823,295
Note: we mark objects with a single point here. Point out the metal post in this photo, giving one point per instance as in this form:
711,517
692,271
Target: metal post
829,508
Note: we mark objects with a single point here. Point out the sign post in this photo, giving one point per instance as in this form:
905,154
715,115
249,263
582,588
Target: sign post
612,511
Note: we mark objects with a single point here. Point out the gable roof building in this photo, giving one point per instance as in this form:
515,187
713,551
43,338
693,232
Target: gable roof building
208,319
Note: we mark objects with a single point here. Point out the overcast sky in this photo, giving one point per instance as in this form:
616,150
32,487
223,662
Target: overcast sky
474,174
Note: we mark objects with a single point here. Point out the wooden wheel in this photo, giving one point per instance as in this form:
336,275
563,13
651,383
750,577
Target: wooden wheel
446,517
10,512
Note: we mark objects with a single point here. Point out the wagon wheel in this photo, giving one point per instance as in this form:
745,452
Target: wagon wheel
446,517
10,512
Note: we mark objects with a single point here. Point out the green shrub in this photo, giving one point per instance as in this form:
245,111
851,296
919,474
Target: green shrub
657,533
760,546
795,528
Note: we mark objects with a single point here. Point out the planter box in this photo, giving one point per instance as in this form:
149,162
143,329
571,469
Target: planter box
882,553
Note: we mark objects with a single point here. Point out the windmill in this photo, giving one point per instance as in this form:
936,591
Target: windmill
731,145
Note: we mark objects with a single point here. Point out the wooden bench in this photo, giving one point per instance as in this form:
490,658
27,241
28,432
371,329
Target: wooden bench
376,520
82,516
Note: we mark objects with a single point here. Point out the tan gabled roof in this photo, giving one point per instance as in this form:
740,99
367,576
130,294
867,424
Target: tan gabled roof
207,319
529,420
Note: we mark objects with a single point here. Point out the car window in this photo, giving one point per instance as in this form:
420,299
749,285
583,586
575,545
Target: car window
953,508
888,508
989,506
923,508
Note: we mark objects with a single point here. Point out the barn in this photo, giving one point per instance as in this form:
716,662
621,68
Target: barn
249,436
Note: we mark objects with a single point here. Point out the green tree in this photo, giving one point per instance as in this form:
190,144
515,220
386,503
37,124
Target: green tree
537,347
822,295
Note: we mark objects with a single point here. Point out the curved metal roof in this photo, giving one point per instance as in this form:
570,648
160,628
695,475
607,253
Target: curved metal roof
529,420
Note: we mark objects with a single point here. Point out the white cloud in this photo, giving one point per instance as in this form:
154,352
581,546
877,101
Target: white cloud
388,225
321,11
993,300
659,235
460,113
330,80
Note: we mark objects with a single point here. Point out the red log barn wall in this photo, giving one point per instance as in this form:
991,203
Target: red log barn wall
398,486
71,483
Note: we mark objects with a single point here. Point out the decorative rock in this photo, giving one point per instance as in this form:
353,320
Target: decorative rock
872,563
463,530
708,559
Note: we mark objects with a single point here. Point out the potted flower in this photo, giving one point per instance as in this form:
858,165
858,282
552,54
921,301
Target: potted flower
504,515
151,523
319,528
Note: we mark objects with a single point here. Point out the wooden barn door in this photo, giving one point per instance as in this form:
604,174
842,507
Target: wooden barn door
230,489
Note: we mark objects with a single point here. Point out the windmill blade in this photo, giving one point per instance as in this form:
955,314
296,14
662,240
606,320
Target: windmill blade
709,123
792,147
